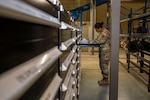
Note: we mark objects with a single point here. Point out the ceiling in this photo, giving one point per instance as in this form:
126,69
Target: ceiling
72,4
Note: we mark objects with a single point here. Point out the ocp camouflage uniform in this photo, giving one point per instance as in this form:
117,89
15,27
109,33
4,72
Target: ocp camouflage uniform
104,52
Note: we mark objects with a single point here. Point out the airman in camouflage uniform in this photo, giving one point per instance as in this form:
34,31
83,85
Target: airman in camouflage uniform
104,52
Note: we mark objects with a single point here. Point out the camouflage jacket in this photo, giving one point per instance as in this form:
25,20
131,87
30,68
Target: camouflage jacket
104,41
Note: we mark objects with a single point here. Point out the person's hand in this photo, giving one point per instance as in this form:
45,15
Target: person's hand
90,41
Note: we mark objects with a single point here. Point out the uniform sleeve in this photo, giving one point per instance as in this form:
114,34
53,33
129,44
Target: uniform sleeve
96,40
101,40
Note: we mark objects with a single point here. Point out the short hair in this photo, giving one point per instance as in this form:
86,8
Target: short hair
99,25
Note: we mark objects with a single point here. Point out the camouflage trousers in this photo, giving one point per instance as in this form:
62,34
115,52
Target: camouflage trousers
104,58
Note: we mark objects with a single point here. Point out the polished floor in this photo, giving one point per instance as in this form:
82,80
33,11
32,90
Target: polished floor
129,88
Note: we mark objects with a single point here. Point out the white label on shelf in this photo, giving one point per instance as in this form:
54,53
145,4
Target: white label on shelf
78,55
68,95
55,2
74,92
61,8
67,78
74,39
76,65
63,87
63,67
73,72
66,44
79,36
67,26
74,48
16,81
74,58
78,68
63,47
79,48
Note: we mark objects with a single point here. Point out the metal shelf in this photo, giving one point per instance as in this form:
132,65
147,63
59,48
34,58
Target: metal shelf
136,35
74,72
64,45
147,20
124,35
55,2
135,64
140,35
52,89
139,57
65,83
67,61
67,26
145,52
79,36
136,17
68,95
124,20
15,82
19,10
74,58
74,39
74,48
74,94
141,16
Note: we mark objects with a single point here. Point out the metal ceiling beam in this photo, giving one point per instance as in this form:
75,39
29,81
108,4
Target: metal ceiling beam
76,12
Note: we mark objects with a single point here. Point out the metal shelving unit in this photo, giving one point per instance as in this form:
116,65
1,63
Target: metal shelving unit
141,37
69,36
31,31
22,11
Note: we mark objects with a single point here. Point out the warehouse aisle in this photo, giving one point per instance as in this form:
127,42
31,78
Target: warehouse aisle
129,87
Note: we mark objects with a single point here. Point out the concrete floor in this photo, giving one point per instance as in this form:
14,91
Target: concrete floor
130,88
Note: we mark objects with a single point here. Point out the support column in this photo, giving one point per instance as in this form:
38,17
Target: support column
108,16
92,19
81,22
115,31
